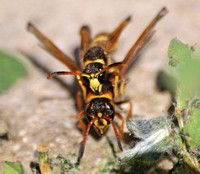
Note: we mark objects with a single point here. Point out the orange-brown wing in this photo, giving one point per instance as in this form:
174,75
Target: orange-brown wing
114,36
50,47
85,39
142,40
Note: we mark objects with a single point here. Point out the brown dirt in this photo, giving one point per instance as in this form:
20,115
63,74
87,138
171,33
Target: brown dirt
43,112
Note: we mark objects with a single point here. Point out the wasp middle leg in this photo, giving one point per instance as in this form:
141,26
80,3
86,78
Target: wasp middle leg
129,116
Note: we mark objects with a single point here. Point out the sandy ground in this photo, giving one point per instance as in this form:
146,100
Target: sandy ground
38,111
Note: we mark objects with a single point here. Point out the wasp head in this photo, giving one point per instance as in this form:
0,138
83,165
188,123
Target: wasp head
100,108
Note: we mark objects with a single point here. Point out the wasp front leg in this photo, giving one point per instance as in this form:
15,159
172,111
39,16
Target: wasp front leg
81,122
79,101
121,129
118,87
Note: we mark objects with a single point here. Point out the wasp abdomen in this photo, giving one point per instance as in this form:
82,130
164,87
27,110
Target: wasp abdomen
95,55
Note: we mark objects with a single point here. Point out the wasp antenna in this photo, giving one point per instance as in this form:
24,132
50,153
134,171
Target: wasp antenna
116,133
62,73
85,75
82,148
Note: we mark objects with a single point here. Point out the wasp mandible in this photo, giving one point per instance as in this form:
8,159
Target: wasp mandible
101,84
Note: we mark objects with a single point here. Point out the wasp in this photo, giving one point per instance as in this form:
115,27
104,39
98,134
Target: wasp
101,84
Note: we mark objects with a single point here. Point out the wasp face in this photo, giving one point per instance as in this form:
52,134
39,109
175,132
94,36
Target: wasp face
99,108
101,124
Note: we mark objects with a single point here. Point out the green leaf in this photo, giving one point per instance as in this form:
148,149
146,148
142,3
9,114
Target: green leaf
183,96
195,52
178,53
14,168
57,170
187,72
11,70
193,129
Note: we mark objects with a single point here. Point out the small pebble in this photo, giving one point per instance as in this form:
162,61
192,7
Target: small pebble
16,147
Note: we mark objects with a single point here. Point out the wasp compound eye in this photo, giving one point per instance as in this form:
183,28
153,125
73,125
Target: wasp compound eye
86,80
101,77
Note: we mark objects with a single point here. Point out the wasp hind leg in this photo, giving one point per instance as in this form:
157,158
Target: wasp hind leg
121,129
119,87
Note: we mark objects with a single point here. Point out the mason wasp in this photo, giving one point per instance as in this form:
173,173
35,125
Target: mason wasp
101,84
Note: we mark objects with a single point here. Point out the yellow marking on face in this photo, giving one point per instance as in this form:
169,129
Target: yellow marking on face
100,114
106,127
104,122
96,122
101,128
97,130
99,60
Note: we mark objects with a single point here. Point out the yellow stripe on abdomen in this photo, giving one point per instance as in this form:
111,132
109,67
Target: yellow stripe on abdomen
101,61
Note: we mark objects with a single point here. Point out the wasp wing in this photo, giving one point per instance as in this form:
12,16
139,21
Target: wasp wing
142,40
114,36
50,47
85,39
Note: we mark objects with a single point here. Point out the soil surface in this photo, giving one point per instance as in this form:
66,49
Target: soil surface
40,111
